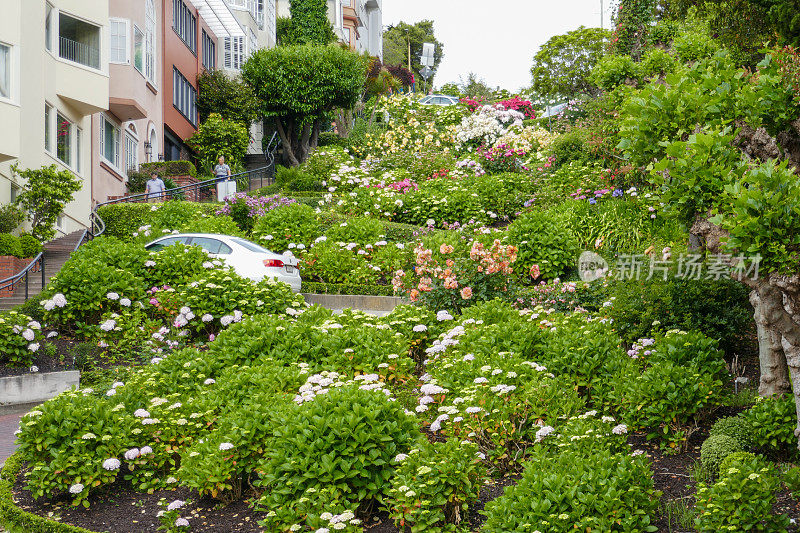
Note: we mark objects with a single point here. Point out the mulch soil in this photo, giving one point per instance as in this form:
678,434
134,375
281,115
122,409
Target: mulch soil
61,360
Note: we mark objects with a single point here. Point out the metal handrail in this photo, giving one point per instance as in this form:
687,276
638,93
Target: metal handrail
10,282
97,221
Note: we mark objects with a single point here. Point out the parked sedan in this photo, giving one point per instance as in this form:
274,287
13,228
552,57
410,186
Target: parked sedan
247,259
439,99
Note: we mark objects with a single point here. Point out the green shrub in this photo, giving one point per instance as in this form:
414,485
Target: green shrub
657,62
296,179
360,230
435,485
292,224
29,246
719,309
542,239
716,448
663,32
10,218
738,428
692,349
741,500
569,147
774,420
603,491
346,439
694,46
612,70
735,460
9,245
667,399
329,138
126,219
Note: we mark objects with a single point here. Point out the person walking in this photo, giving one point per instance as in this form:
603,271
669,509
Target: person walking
154,188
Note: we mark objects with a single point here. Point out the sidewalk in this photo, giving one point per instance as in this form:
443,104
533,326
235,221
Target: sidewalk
9,423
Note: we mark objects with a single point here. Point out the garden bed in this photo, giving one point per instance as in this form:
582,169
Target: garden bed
122,510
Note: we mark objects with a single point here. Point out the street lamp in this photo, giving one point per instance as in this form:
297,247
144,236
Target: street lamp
148,151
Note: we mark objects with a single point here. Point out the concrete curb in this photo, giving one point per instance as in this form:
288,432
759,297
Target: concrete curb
384,304
35,388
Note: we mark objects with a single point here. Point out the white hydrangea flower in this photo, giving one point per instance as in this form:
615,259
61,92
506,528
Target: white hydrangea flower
111,464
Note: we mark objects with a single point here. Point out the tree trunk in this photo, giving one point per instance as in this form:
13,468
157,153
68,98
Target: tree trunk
304,143
771,357
793,359
315,135
286,139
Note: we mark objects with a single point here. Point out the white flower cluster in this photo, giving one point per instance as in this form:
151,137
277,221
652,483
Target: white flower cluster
321,383
58,300
486,125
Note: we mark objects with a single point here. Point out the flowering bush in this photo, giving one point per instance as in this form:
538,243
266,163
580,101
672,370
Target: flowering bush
435,484
244,208
485,126
20,339
445,280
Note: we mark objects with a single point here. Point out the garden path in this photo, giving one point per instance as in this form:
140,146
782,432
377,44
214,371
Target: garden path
9,423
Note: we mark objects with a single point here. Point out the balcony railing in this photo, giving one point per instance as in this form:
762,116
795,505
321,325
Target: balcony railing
78,52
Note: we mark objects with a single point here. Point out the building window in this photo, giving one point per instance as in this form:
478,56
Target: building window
234,53
346,34
48,27
109,142
14,193
119,40
346,3
209,52
150,42
185,24
260,14
131,152
63,139
48,132
138,49
184,96
78,141
5,71
78,41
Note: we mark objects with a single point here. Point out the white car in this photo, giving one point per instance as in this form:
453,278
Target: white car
247,259
439,99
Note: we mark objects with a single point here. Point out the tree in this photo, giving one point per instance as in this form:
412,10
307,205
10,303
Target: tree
309,23
46,192
229,97
402,45
220,137
563,66
475,87
299,86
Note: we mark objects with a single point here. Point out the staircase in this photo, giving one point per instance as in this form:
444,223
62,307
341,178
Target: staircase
56,253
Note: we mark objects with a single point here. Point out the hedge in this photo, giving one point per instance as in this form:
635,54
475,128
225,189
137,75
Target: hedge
123,219
394,231
23,247
14,518
313,287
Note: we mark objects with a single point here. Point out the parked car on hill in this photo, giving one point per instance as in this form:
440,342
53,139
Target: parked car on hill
246,258
439,99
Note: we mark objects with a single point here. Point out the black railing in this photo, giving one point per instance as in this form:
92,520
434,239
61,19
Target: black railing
202,191
36,265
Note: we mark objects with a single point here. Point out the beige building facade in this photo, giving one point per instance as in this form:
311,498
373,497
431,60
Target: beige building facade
53,77
130,131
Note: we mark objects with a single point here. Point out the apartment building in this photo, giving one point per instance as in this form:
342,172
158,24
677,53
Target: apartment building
358,23
131,130
53,77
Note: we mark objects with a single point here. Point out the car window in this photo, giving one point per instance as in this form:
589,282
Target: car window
160,245
440,101
425,100
212,246
253,247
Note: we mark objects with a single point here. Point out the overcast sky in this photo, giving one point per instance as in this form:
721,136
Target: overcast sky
496,39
